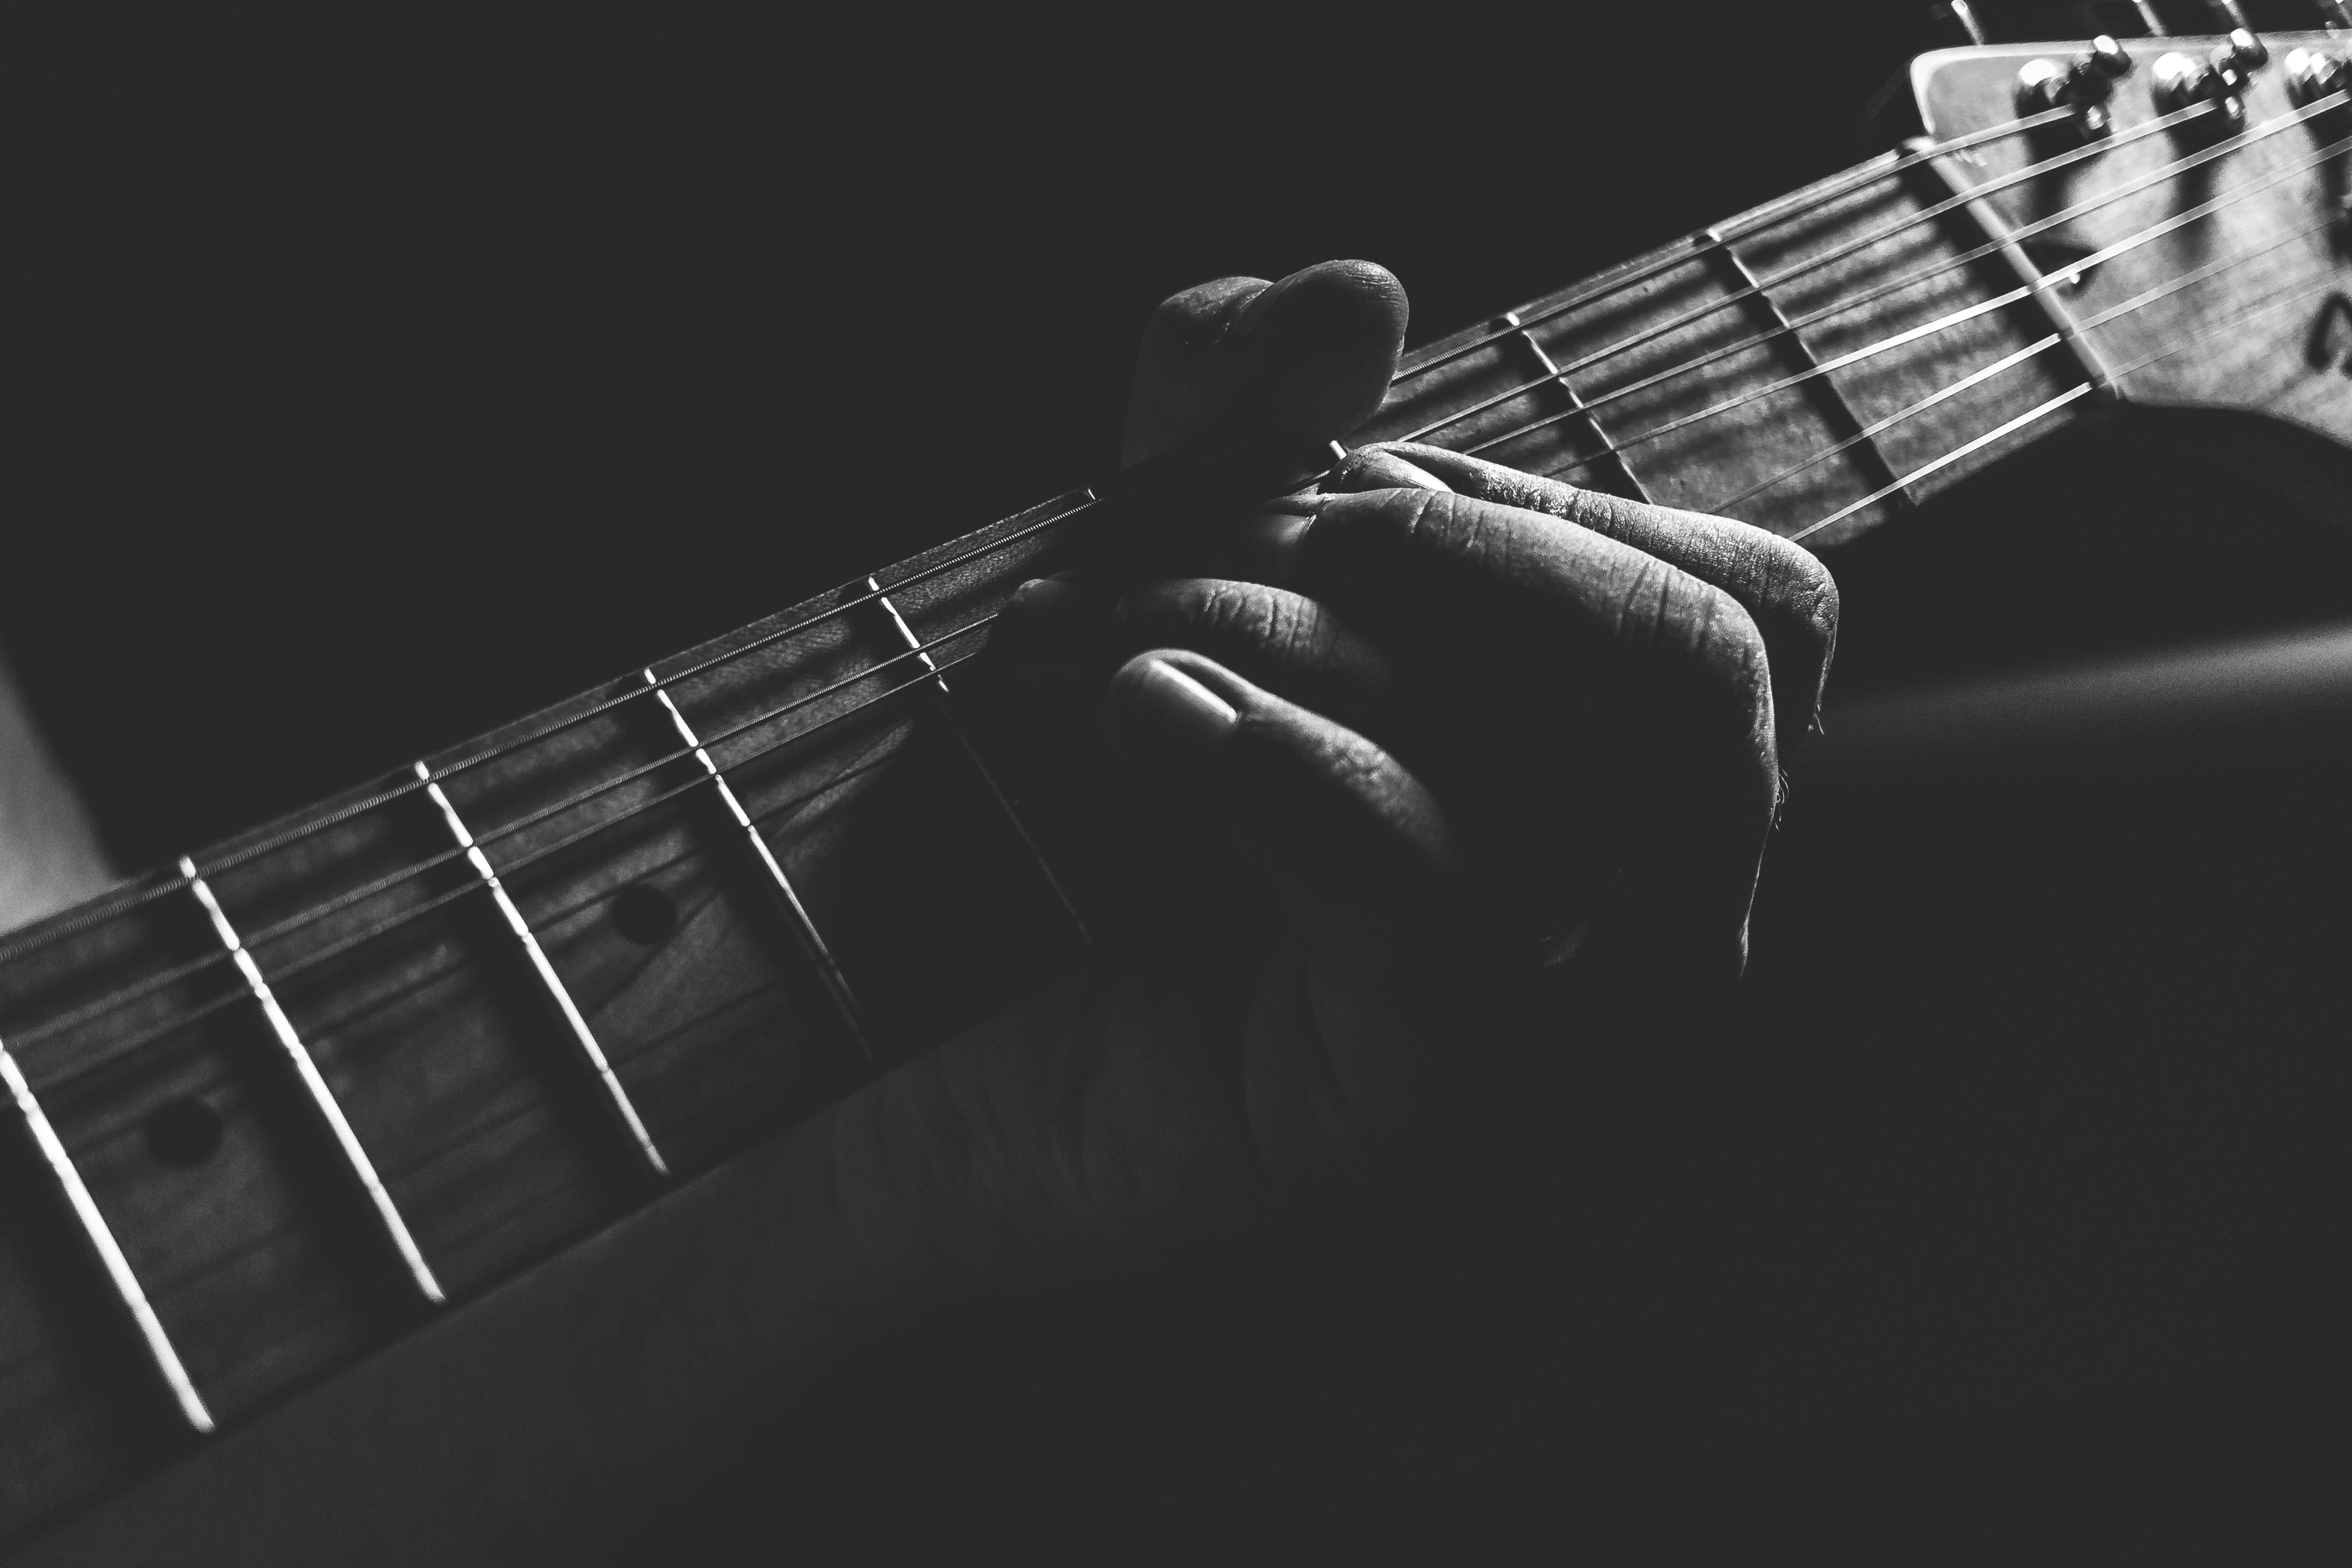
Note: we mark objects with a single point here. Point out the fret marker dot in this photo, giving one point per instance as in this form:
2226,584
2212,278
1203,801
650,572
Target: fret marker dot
183,1132
643,914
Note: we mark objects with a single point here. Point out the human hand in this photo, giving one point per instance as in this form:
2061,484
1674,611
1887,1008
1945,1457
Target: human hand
1448,755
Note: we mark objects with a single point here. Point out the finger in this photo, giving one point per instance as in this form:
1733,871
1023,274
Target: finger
1784,588
1308,356
1362,860
1283,642
1608,708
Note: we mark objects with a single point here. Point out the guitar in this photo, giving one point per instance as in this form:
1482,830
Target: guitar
311,1089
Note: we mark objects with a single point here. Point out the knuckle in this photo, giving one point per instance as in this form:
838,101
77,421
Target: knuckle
1208,608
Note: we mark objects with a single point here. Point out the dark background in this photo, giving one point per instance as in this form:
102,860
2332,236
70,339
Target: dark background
385,383
379,383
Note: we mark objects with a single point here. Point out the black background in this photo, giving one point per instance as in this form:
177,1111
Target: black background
384,383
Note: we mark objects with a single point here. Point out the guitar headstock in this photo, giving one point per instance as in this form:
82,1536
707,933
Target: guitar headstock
2189,196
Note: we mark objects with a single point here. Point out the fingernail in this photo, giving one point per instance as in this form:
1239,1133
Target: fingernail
1270,543
1369,468
1181,707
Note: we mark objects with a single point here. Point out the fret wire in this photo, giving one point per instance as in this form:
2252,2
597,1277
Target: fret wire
580,836
322,1099
2080,389
2145,235
1941,394
811,940
1578,405
110,905
2006,242
99,1236
297,921
1851,357
1811,362
946,710
616,1098
2169,172
1751,223
1922,218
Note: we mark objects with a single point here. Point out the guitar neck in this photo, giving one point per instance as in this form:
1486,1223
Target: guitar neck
1815,367
289,1099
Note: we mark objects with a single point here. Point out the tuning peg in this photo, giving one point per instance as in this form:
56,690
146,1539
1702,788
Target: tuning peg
2107,59
2243,53
2183,81
2314,74
2083,83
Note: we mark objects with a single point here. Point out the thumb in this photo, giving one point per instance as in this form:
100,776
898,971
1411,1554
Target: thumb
1311,355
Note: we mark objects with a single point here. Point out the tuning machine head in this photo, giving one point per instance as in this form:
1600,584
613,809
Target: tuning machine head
2082,84
2314,74
2179,81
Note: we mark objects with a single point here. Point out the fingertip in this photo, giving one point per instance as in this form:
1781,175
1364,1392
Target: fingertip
1319,349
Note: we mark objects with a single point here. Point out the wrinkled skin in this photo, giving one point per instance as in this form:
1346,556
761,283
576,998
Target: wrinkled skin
1455,765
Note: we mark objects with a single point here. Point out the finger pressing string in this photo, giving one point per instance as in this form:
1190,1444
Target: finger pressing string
1782,586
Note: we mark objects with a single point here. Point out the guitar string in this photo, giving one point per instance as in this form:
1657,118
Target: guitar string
107,906
2089,323
101,1007
118,1051
1967,258
2207,334
1966,313
1770,217
1924,218
2204,335
168,882
152,983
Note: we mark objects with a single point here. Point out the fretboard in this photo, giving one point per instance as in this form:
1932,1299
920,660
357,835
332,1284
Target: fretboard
295,1095
1815,366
